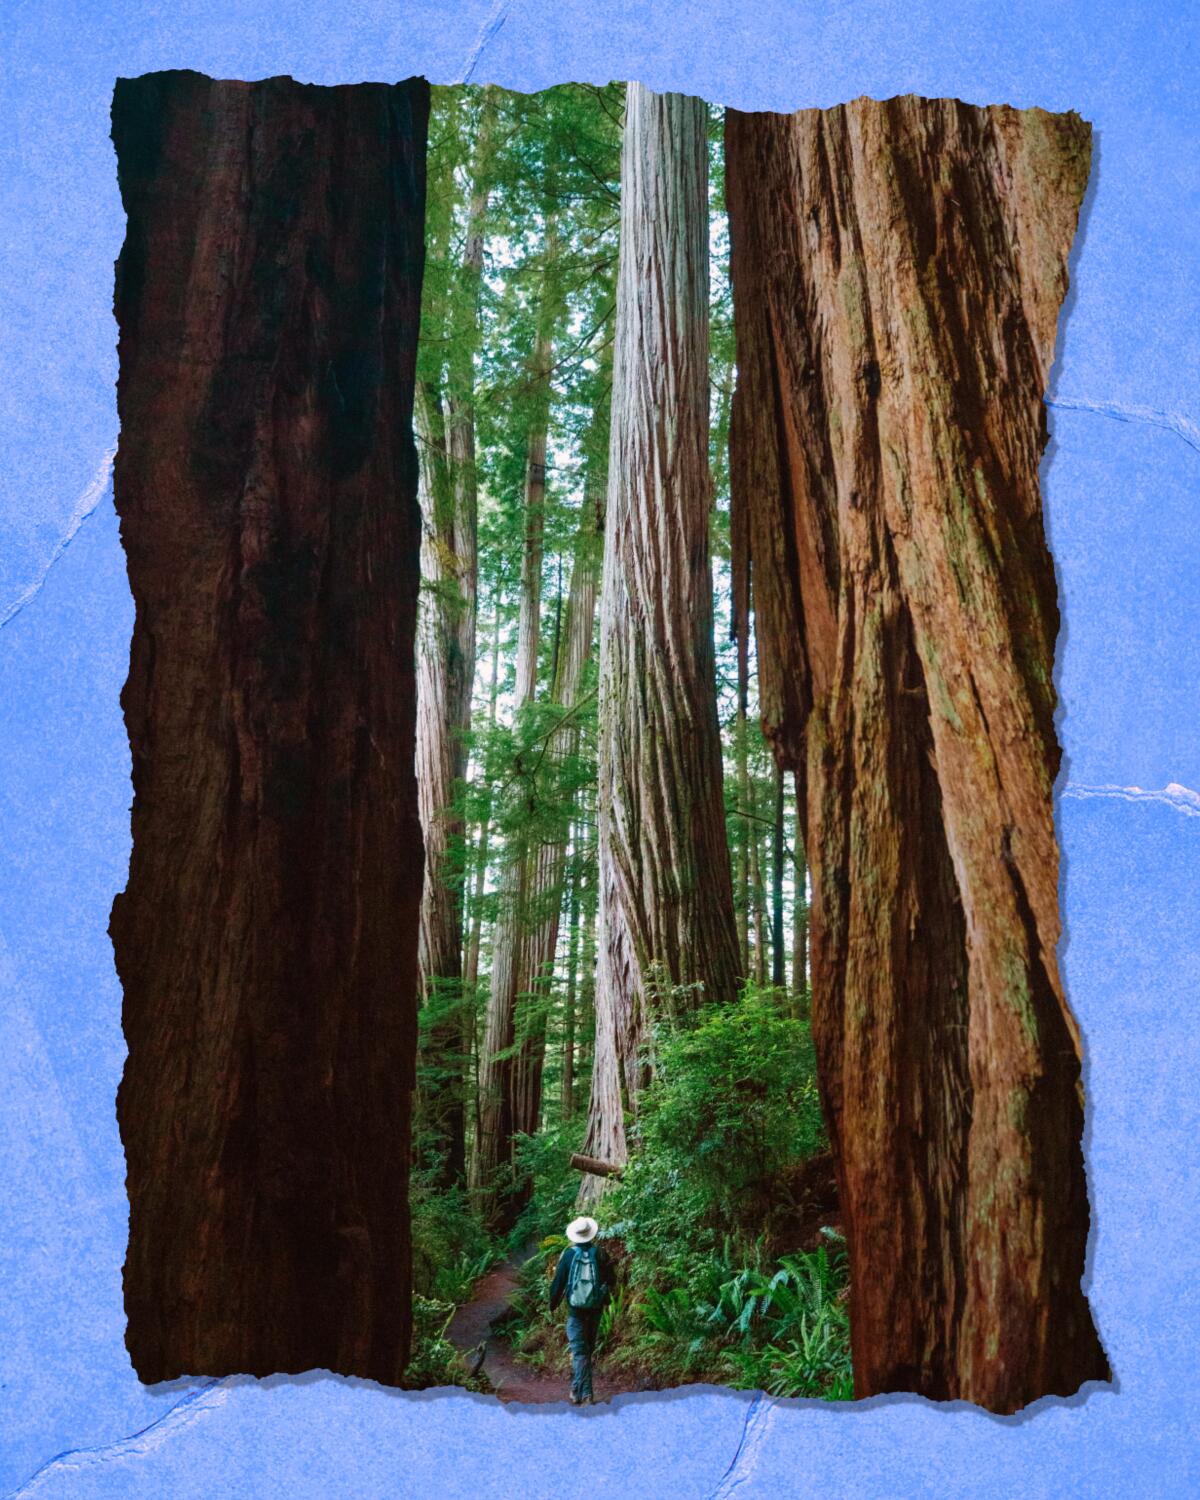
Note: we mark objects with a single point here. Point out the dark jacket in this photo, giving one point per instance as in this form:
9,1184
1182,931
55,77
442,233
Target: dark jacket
562,1276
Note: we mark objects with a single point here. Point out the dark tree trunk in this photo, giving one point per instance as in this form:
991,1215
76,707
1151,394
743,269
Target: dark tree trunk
898,270
267,296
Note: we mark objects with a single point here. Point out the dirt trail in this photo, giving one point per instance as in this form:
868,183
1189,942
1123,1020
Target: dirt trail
511,1380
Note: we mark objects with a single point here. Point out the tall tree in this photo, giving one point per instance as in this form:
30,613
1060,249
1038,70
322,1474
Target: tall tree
570,1003
666,898
497,1071
547,859
446,637
898,270
475,937
554,276
778,950
268,297
800,906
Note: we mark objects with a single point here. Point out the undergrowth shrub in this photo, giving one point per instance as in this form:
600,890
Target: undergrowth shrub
732,1105
704,1294
450,1248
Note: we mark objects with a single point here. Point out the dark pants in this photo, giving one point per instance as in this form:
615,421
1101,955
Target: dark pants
582,1324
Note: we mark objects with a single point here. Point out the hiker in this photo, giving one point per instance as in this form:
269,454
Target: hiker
585,1276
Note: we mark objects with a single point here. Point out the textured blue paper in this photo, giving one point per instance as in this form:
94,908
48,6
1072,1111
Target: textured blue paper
1122,483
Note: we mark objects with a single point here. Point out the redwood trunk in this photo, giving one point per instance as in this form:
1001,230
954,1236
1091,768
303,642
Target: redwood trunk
666,901
898,270
267,296
443,719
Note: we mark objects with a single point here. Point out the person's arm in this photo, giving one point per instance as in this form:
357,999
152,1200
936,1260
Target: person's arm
559,1285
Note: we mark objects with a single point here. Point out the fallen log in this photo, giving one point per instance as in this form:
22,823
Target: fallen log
595,1166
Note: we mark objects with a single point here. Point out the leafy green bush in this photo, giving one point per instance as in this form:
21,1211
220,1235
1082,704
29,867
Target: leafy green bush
731,1112
450,1247
786,1333
542,1161
733,1104
434,1359
793,1330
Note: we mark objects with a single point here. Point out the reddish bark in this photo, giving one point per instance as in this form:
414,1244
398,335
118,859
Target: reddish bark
267,296
898,270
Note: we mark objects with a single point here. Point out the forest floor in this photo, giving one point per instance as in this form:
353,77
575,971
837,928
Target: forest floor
511,1378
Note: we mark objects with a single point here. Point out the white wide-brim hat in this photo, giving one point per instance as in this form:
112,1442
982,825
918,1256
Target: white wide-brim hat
580,1231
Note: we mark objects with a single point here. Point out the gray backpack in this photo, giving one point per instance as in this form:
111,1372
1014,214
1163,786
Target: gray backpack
583,1285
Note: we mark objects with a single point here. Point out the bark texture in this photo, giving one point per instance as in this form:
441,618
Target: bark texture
445,654
666,893
267,296
898,270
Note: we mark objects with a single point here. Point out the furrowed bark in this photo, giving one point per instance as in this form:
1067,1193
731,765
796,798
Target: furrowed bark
666,901
440,766
568,1065
898,270
268,297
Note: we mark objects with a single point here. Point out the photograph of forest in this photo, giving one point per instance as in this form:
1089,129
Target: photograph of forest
592,719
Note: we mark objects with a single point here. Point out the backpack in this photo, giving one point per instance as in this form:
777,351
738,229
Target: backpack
583,1283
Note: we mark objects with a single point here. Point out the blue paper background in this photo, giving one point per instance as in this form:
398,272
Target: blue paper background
1121,483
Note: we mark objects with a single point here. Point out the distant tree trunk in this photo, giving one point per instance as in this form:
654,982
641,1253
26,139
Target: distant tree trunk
568,1069
471,973
268,297
898,270
666,900
440,766
778,962
800,907
585,1004
446,674
548,860
497,1074
744,831
758,897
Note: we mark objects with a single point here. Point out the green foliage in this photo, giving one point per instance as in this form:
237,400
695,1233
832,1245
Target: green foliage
434,1360
789,1335
528,1313
733,1103
733,1106
785,1332
542,1162
450,1248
